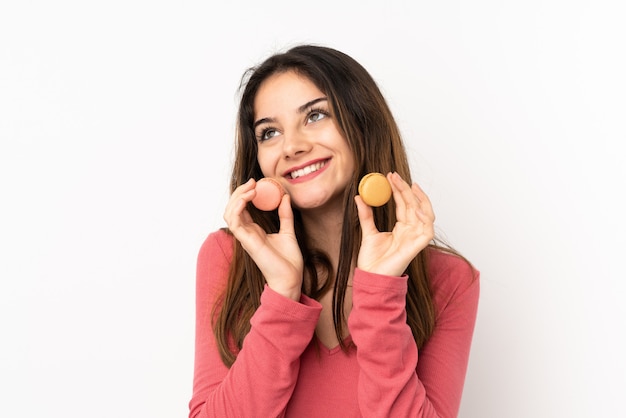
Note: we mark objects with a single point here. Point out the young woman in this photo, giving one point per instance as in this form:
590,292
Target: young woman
327,307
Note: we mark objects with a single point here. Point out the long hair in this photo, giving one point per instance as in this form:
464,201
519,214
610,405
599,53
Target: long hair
367,124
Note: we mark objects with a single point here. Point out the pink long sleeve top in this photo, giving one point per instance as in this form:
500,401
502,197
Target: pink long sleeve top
283,371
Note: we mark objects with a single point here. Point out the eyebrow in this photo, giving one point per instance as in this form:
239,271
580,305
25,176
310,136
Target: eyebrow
301,109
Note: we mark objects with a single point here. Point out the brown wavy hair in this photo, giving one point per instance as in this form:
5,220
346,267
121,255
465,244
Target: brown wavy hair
366,122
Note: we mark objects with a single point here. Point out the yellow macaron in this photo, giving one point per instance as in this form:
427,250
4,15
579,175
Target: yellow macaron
374,189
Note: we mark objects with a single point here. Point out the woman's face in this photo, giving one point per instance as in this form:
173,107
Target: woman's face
299,142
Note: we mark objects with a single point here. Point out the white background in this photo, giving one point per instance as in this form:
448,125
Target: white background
116,127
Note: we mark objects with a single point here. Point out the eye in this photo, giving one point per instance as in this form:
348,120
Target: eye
267,133
316,115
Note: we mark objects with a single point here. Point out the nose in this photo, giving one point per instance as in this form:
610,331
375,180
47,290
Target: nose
295,143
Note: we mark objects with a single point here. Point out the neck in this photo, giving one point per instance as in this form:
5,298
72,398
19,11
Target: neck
323,230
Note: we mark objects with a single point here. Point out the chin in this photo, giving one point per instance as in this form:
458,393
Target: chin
322,203
308,205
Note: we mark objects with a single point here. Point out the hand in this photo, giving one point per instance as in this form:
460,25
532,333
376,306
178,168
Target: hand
390,253
277,255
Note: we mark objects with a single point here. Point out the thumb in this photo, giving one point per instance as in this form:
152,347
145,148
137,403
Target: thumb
285,215
366,217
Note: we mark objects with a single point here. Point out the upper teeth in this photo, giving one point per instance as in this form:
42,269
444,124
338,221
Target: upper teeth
307,170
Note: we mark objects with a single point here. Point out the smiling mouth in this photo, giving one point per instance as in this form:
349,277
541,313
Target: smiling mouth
307,170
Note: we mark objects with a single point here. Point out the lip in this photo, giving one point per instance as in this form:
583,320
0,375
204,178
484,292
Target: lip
306,176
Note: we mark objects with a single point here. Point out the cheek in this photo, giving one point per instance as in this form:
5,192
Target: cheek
349,155
265,161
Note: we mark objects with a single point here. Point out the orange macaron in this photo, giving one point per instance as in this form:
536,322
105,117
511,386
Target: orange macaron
269,193
374,189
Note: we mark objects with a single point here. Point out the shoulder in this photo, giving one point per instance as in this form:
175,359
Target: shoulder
452,278
214,258
217,245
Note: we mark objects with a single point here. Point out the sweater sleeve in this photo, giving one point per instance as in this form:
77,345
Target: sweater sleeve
261,380
395,380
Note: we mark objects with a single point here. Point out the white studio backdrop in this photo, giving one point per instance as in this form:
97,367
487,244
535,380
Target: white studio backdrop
116,130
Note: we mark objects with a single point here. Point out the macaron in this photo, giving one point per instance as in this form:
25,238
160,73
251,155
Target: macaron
374,189
269,193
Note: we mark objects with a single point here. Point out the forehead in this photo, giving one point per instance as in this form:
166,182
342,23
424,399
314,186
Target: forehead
283,92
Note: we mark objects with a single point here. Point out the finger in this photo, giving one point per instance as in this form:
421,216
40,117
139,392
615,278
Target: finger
238,201
285,215
245,187
237,216
419,192
406,201
237,205
396,193
366,217
239,191
424,202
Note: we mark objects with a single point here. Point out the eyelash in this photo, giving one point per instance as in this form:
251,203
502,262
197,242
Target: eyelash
313,111
261,136
317,110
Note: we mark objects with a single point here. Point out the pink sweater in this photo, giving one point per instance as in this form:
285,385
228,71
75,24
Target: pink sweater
281,371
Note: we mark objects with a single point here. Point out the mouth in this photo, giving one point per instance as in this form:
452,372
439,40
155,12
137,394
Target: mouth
303,171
